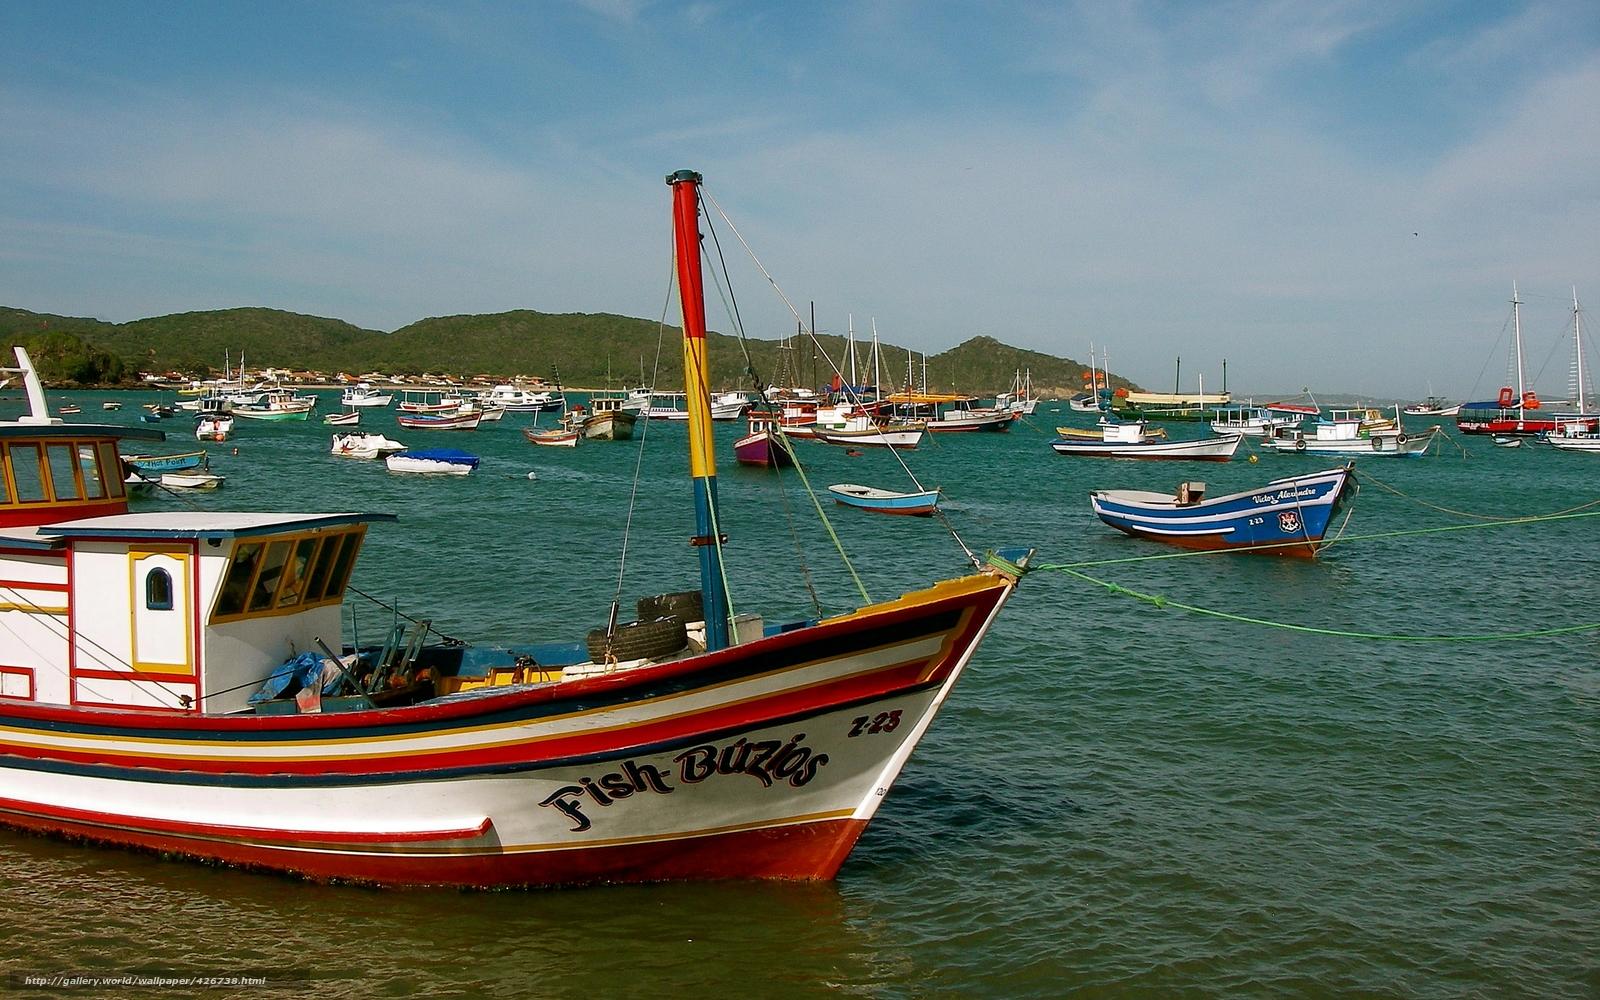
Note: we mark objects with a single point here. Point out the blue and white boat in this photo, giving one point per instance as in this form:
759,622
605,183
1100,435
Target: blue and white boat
155,465
437,461
1287,517
919,504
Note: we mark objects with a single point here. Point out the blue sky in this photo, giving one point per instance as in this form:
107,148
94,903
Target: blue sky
1328,194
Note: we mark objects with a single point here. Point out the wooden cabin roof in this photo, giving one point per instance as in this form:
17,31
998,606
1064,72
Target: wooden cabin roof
203,524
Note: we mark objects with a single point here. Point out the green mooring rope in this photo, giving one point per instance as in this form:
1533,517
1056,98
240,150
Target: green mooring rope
1161,602
1156,600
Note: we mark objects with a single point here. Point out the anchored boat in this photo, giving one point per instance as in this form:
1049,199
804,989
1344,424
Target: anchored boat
1286,517
149,704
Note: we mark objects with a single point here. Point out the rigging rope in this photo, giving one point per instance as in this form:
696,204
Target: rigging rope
850,392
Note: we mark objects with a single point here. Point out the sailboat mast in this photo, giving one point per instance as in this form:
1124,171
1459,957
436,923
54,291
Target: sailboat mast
1516,323
1177,376
1577,340
850,323
702,459
877,362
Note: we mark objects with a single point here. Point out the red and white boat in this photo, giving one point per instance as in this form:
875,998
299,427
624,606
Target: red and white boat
135,641
558,437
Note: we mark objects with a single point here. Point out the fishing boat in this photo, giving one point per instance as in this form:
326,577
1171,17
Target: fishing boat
348,418
519,400
154,465
276,405
1131,440
556,437
1097,433
429,401
1352,433
68,409
895,435
609,419
213,427
167,719
365,446
440,421
1286,517
363,395
432,461
763,446
918,504
109,404
1251,421
675,406
191,481
948,412
1433,406
1506,441
1131,405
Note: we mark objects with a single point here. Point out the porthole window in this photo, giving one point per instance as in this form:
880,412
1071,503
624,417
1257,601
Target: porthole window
158,590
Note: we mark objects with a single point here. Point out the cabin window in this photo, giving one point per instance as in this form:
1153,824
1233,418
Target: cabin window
323,569
94,486
110,467
64,473
271,574
236,585
285,574
158,590
27,472
341,567
299,567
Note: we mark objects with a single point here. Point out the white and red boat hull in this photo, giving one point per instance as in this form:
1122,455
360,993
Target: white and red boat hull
761,760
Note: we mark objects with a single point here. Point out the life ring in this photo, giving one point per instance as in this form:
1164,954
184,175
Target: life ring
1300,445
1400,439
1377,444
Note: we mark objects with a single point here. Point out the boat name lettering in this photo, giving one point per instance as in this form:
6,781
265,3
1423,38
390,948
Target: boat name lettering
1283,495
764,760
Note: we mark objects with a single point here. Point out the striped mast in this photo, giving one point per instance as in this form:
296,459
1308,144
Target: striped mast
702,460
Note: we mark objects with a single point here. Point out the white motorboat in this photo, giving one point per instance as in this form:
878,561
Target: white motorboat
433,461
363,394
356,445
1131,441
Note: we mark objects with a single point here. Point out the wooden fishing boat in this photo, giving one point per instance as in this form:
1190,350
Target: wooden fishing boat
68,409
432,461
902,436
277,405
440,421
1132,441
1098,434
165,717
763,445
349,418
1287,517
554,437
1507,441
609,419
191,480
919,504
109,404
1351,433
154,465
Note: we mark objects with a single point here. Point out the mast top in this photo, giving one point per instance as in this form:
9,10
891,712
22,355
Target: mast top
684,176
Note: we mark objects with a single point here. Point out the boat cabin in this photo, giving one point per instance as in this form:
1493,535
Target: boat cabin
179,611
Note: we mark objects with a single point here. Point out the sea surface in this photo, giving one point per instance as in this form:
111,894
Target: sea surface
1121,799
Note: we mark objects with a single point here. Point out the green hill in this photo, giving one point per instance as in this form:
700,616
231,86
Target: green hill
585,348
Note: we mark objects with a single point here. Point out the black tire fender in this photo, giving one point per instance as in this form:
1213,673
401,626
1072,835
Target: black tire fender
638,640
685,605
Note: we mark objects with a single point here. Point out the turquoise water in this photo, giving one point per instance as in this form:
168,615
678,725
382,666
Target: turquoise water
1119,799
